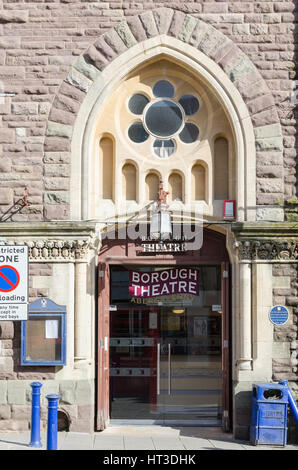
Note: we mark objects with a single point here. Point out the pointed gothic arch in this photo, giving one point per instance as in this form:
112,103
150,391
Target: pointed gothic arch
198,46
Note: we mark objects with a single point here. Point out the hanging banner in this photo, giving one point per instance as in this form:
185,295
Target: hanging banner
165,282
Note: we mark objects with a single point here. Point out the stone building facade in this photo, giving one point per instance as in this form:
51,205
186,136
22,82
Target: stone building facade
61,61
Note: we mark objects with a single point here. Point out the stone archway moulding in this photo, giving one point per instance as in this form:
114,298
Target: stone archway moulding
198,46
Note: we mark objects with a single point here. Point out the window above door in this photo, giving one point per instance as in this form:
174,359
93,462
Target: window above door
164,118
161,122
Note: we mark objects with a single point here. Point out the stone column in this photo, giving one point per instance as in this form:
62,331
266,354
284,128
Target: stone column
82,320
262,333
245,360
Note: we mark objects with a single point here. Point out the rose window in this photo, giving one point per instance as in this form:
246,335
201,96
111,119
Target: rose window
163,118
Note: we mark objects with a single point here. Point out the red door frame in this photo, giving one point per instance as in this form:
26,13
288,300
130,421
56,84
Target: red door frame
225,348
103,385
119,253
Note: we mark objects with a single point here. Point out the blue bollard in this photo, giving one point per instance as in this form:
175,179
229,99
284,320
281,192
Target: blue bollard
35,415
52,421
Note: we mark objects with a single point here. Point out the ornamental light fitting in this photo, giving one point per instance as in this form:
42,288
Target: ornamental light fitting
160,224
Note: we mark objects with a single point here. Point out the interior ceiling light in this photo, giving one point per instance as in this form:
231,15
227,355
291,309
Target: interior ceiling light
178,311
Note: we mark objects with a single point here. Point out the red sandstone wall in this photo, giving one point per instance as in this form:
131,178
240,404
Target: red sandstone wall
41,39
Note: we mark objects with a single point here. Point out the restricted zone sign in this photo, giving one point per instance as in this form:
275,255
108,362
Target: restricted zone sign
14,283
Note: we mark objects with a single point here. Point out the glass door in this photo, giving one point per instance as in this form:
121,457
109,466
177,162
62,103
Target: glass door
190,370
166,360
134,366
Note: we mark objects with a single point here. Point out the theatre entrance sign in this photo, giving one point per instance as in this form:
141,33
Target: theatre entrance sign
166,282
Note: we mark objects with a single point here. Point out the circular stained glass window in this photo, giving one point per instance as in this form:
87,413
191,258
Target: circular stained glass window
163,89
190,104
137,133
164,148
137,103
189,134
163,118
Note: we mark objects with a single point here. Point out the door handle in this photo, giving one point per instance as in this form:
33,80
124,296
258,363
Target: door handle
169,369
158,369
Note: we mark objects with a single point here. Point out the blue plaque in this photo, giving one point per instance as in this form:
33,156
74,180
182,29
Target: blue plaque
279,315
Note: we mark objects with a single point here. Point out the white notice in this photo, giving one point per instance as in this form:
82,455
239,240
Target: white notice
229,209
52,328
216,308
152,320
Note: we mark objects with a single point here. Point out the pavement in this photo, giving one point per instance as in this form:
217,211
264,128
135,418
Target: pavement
139,438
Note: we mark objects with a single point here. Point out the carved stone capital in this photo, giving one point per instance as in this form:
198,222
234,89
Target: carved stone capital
56,250
271,250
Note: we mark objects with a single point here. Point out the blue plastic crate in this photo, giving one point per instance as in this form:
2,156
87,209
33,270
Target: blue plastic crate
269,414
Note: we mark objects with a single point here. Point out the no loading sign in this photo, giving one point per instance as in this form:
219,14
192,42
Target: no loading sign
13,282
9,278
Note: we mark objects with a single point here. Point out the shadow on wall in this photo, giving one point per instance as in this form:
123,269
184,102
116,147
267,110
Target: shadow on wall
291,170
243,415
63,421
292,434
292,204
296,78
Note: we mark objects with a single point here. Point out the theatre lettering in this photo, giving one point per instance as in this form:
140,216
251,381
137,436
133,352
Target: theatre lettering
165,282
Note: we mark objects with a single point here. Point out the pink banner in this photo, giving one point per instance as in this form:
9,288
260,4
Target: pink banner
166,282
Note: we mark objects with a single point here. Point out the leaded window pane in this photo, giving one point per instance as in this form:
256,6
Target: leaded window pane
137,133
163,118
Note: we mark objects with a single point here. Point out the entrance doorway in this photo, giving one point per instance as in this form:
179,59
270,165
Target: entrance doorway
166,361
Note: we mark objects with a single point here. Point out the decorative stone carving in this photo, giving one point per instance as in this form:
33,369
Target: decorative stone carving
54,250
275,250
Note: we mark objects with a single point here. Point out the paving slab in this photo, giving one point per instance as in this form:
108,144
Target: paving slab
226,445
167,443
78,441
142,430
106,442
150,438
261,447
138,443
196,443
21,437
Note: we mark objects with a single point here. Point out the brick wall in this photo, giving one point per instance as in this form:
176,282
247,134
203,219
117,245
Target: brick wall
40,41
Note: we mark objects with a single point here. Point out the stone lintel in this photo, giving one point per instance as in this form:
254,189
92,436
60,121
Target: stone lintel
265,230
266,241
57,229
